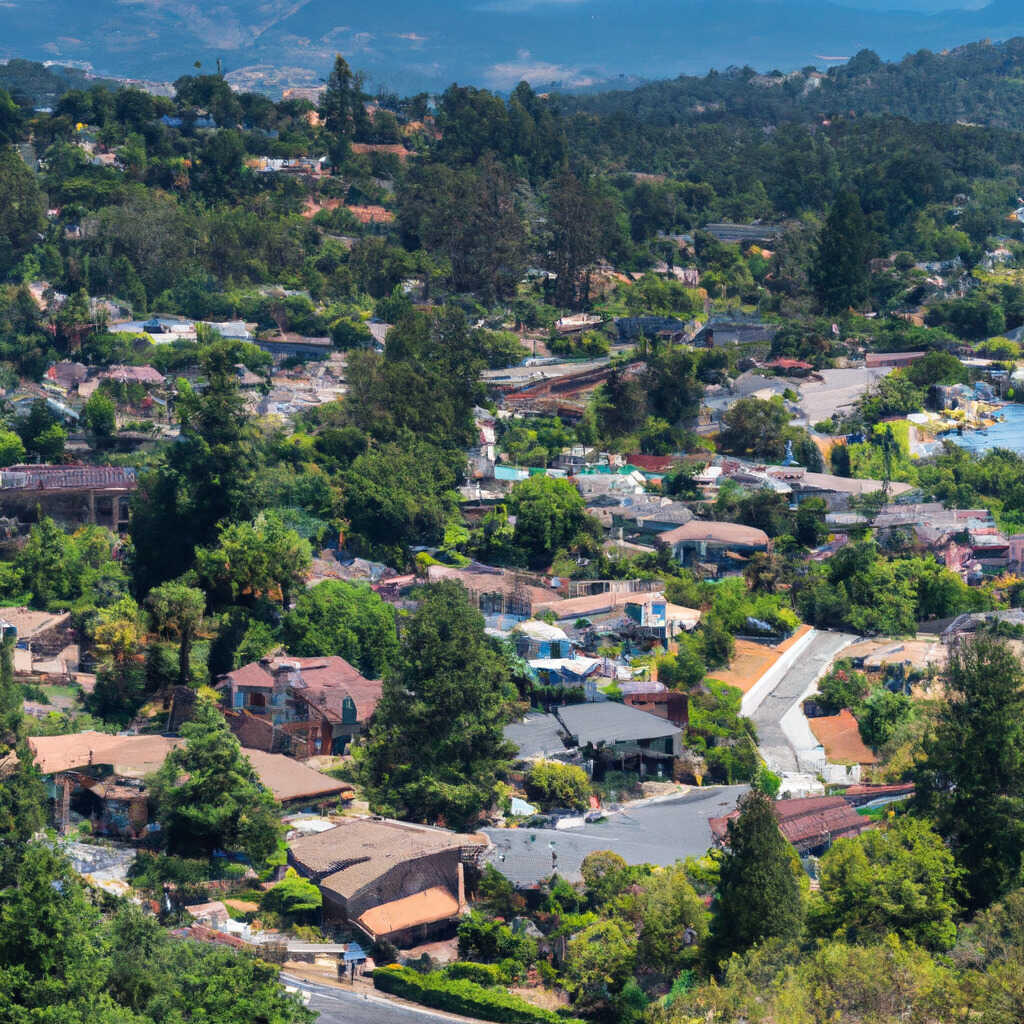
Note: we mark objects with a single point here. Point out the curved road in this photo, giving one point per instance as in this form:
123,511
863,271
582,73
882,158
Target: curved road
341,1006
775,747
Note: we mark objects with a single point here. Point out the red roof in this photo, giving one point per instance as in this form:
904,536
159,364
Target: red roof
323,683
808,822
785,363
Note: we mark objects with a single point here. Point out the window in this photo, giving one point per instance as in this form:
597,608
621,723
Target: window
348,711
239,699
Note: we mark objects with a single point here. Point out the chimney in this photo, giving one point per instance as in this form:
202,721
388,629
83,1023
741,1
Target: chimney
461,873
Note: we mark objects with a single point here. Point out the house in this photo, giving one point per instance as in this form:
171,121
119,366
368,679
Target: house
495,591
789,367
300,706
725,546
72,495
891,360
670,705
649,516
811,824
614,731
393,880
145,375
45,641
836,491
102,778
537,639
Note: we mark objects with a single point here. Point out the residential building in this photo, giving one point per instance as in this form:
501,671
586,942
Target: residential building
835,490
811,824
299,706
891,359
393,880
72,495
102,778
725,547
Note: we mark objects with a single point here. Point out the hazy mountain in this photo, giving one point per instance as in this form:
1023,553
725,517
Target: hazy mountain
409,44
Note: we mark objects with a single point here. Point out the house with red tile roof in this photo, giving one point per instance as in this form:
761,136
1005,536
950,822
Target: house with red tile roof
299,706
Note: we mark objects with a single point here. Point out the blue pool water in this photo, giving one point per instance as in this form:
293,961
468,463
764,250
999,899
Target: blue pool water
1007,434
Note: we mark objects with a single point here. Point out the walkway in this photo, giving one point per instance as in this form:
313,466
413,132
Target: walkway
775,747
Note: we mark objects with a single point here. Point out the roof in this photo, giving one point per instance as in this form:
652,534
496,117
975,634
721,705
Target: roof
653,463
350,856
716,533
610,722
485,579
322,682
140,374
433,904
291,780
139,756
839,484
808,822
214,908
56,478
134,756
840,736
28,623
536,629
535,735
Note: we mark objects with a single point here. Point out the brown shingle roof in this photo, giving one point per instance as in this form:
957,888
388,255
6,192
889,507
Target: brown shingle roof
291,780
350,856
808,822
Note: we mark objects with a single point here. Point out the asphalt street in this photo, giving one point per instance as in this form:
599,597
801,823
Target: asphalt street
339,1006
771,739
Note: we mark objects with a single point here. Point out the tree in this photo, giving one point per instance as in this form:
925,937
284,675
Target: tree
295,898
12,451
549,516
21,209
840,274
971,781
599,961
605,874
208,796
900,879
178,611
755,426
673,921
554,784
341,108
23,801
578,218
758,895
255,557
435,750
99,415
346,619
882,714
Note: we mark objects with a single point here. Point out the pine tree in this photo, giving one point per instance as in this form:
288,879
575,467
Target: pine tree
758,894
436,750
972,779
840,275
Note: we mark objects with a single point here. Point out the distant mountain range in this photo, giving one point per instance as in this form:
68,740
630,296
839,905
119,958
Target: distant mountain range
411,44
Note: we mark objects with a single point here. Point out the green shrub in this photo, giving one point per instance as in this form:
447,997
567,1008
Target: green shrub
487,975
457,995
554,784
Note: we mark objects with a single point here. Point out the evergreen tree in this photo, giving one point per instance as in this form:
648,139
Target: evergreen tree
208,796
341,108
840,275
758,894
436,750
971,781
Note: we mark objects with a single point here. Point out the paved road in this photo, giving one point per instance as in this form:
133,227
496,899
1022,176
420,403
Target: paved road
768,717
338,1006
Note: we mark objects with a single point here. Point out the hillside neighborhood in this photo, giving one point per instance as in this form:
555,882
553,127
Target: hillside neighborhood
488,554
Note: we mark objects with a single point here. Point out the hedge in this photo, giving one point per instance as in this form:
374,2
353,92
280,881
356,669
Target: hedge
487,975
457,995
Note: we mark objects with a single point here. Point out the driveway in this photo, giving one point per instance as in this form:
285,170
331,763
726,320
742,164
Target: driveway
775,748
